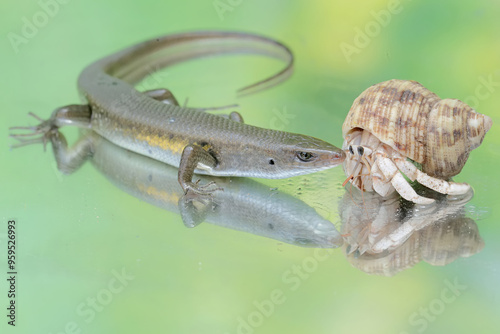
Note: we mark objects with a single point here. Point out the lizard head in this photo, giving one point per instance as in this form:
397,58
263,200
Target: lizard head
303,155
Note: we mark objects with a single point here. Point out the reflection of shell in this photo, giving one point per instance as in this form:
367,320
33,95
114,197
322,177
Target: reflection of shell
384,236
387,264
454,239
444,243
439,134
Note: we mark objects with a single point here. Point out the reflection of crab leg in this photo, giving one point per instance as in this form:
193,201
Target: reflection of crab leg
444,187
416,222
392,174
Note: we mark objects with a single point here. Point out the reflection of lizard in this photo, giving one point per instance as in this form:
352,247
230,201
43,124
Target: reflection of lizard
153,124
245,204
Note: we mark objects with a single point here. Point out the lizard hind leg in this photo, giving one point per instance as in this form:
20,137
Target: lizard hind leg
162,95
71,115
166,96
234,116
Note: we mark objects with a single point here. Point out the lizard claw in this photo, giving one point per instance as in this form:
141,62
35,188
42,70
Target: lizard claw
40,133
194,189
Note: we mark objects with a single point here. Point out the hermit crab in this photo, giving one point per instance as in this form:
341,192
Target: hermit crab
397,123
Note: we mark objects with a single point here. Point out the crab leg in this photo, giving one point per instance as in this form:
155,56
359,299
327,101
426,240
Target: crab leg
391,173
382,188
441,186
379,185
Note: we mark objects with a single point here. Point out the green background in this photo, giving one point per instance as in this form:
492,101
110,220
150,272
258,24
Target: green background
74,231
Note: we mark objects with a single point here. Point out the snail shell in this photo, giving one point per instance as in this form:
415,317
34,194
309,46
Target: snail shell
437,133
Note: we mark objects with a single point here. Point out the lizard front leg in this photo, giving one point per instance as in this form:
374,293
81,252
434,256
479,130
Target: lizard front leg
193,156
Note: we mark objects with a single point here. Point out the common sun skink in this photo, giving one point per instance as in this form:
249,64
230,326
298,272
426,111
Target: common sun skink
152,123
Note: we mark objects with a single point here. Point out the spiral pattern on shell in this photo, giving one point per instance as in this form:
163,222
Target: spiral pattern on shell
437,133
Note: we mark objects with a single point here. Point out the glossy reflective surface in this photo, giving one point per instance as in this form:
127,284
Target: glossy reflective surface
94,259
384,236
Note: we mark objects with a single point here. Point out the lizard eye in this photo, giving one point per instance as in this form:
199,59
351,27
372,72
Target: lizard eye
305,156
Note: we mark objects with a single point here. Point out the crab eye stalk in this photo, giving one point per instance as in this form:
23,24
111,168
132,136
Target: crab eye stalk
305,156
351,150
361,150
